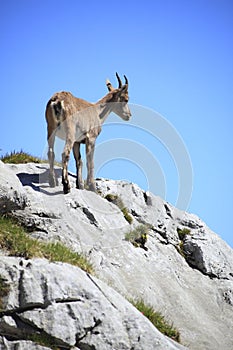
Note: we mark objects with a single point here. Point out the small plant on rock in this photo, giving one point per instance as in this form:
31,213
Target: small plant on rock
19,158
182,233
138,237
157,319
115,199
15,240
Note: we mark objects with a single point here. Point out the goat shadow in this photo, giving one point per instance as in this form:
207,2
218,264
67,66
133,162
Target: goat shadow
39,182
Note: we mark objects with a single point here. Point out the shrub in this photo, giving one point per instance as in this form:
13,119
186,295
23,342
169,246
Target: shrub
17,242
157,319
138,237
19,158
182,233
115,199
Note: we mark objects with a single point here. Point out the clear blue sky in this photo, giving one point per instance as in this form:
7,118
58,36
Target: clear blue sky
178,57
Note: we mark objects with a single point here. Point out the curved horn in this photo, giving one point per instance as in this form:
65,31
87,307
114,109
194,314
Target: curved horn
119,81
126,80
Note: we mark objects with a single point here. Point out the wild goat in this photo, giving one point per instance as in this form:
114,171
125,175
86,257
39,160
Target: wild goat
78,121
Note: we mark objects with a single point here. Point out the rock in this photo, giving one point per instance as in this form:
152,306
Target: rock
75,309
187,277
12,195
20,345
208,254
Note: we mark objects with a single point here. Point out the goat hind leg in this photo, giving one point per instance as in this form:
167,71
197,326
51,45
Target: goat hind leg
65,161
79,165
90,147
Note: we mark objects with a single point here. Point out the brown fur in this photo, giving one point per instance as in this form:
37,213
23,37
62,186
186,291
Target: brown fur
78,121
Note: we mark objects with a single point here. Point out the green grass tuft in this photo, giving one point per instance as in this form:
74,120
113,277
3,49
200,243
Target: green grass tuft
157,319
182,233
15,240
138,237
127,216
115,199
19,158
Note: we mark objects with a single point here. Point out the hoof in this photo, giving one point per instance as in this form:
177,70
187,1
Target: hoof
91,187
66,187
66,190
80,185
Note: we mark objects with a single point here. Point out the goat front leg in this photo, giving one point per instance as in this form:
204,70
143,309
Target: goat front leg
65,161
90,147
79,165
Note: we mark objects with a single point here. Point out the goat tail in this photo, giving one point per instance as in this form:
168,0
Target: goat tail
57,108
54,108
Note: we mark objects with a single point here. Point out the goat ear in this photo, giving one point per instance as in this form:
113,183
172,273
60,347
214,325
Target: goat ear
113,96
109,85
110,96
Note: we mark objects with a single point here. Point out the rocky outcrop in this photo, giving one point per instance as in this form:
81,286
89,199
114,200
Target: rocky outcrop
12,194
71,309
186,273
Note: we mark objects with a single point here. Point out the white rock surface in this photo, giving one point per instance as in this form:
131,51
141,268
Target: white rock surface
12,194
77,310
193,290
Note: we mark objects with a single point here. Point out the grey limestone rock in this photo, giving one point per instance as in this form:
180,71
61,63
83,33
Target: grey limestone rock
187,277
75,309
12,194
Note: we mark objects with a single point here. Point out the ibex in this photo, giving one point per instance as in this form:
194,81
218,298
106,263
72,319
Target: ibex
78,121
